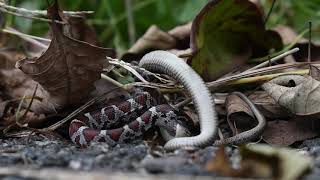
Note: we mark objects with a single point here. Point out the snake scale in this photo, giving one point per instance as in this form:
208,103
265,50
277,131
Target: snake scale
129,120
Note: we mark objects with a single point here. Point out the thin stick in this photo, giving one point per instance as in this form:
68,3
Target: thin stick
264,64
270,11
129,68
28,108
41,12
10,30
267,77
25,37
137,68
114,82
215,84
30,17
19,108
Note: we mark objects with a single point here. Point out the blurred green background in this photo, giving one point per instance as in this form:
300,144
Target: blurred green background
110,17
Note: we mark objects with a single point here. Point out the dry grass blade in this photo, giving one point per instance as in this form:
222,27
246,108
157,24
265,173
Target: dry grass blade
220,82
40,12
274,59
128,68
29,17
18,121
136,69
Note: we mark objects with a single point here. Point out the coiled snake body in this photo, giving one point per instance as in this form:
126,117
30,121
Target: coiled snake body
96,126
120,124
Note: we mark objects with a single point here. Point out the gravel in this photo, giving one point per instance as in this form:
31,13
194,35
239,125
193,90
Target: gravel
40,152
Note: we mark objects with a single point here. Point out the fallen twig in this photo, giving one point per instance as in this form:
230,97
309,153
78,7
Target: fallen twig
27,12
266,63
30,17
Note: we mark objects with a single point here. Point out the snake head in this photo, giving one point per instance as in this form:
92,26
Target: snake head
175,126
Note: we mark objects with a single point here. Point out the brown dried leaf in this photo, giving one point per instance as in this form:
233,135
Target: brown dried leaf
176,39
14,83
67,70
78,29
9,57
287,33
285,133
302,100
239,115
154,38
181,32
268,106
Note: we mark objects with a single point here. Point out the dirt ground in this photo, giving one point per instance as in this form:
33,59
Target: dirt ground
30,158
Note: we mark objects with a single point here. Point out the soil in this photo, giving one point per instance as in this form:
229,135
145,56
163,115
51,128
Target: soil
40,152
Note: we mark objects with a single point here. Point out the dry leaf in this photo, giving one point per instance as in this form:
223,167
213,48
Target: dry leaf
239,115
302,100
66,71
176,39
181,32
78,29
275,163
14,83
268,106
8,58
154,38
287,34
285,133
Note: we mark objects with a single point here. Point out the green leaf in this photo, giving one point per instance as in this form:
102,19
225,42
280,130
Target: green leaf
225,34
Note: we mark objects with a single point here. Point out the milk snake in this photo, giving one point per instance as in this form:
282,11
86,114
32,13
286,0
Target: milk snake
94,127
126,122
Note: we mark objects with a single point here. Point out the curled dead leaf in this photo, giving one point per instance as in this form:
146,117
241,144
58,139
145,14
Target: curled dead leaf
78,29
154,38
239,115
176,39
66,71
302,99
268,106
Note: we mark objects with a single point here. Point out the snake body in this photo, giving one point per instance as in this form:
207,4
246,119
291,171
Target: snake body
125,122
167,63
100,125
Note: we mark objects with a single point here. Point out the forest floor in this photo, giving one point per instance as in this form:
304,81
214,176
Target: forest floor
39,157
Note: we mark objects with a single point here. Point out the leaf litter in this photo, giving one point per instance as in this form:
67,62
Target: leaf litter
224,38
